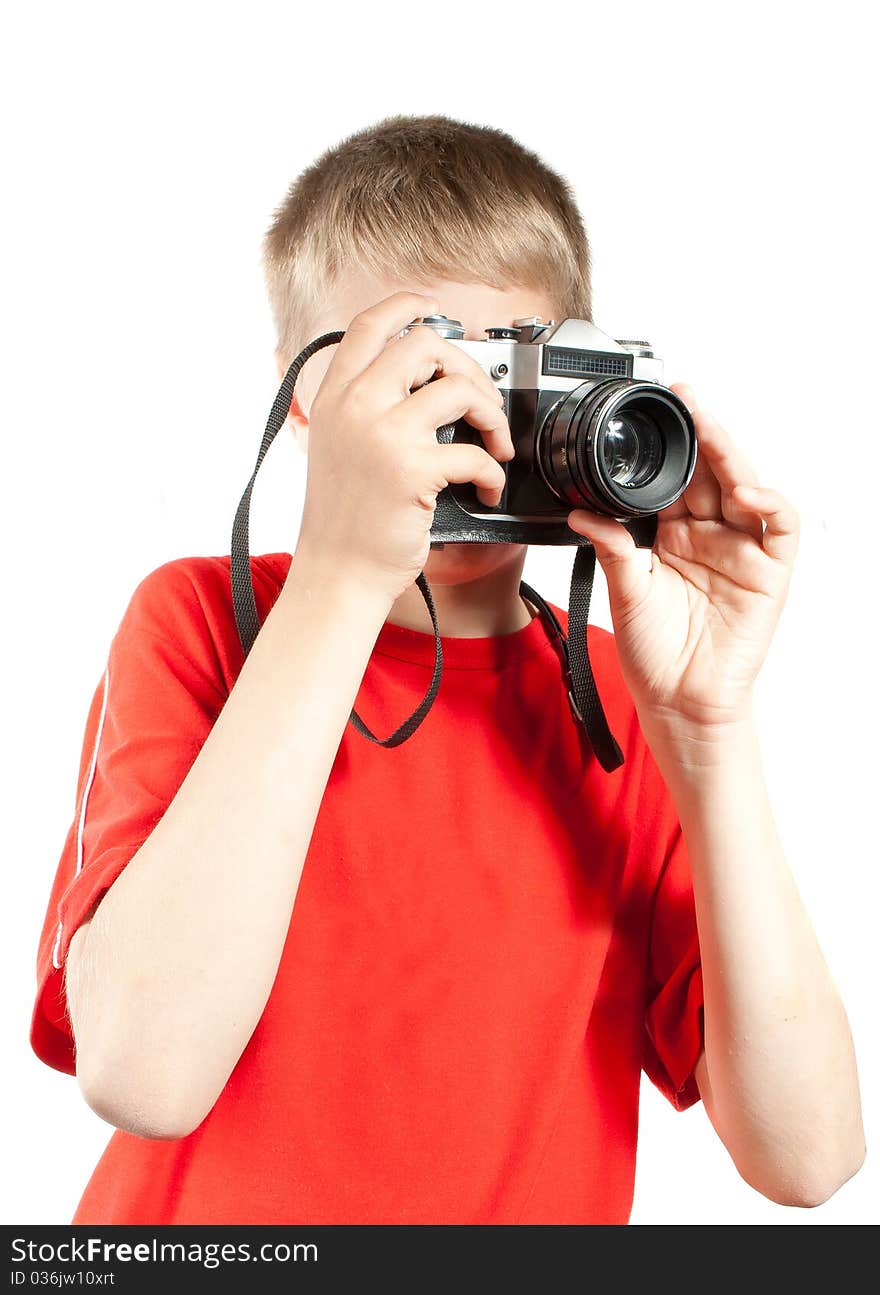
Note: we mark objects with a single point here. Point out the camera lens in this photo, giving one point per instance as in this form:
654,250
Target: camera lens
632,449
621,447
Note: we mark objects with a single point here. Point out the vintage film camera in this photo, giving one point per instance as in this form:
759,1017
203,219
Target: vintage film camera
592,424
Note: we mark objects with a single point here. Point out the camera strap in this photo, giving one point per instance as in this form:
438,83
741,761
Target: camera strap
583,696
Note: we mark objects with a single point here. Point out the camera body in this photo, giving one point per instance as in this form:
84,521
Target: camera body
592,425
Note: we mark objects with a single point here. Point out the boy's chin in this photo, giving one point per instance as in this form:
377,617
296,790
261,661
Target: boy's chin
459,561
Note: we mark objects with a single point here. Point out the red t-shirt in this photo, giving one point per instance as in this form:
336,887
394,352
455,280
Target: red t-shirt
491,936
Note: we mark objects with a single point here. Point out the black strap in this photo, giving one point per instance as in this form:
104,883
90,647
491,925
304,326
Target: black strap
583,695
586,702
243,600
409,726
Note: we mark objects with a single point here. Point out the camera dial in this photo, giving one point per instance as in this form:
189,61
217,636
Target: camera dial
643,349
451,328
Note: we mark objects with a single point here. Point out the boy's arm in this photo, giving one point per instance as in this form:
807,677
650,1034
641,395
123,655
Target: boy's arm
778,1076
172,976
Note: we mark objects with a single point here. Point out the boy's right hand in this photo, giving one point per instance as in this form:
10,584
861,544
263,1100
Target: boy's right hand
375,466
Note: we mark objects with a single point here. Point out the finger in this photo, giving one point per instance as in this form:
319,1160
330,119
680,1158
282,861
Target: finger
616,550
410,361
730,465
461,462
369,332
702,498
730,468
711,548
782,523
454,397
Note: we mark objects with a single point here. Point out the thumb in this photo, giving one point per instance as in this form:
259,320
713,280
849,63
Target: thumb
617,553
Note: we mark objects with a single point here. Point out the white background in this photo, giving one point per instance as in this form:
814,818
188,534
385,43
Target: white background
724,158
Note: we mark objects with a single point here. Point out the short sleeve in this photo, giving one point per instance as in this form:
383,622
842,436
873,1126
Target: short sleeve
160,693
674,1007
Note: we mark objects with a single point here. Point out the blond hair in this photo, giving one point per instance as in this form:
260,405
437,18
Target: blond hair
420,198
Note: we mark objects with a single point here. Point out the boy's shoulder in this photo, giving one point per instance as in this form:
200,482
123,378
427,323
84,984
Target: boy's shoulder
195,592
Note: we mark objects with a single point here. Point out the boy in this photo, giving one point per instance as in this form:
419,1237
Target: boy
315,980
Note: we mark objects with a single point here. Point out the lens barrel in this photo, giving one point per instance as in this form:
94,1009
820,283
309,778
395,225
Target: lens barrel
621,447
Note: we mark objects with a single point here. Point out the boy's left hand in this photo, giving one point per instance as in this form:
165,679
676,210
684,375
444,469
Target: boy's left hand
693,631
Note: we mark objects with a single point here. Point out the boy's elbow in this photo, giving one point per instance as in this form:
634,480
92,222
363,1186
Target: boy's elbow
811,1184
133,1082
132,1108
819,1187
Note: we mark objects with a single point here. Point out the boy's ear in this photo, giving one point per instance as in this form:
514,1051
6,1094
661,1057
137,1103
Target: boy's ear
299,423
297,419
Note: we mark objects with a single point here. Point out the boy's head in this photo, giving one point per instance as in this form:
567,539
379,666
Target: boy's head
460,211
